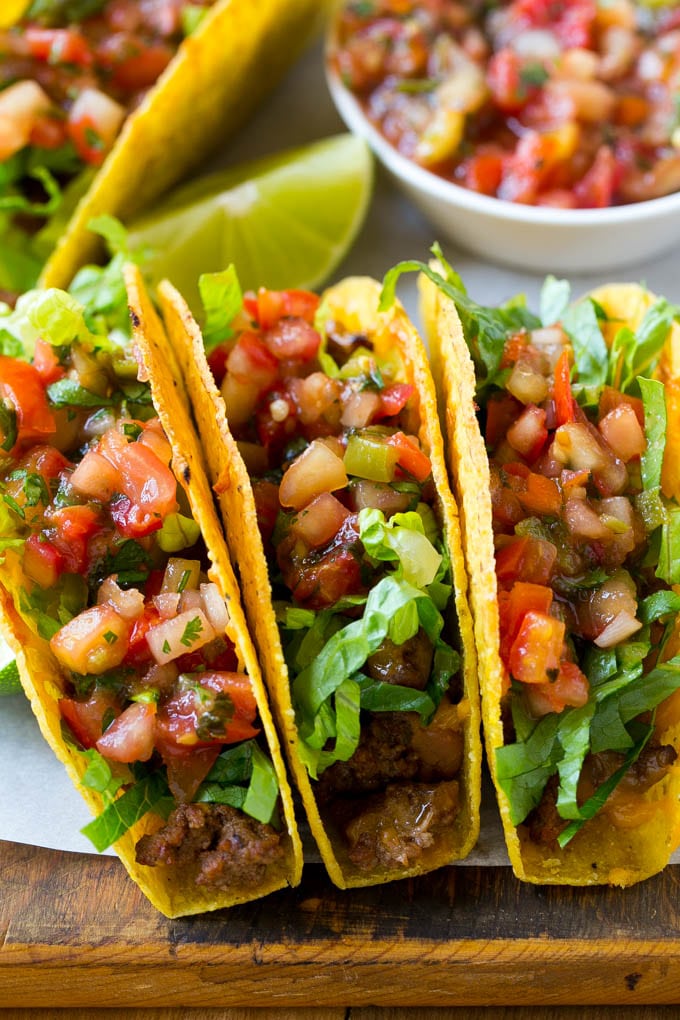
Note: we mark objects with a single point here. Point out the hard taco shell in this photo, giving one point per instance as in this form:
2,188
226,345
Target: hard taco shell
170,888
353,303
601,853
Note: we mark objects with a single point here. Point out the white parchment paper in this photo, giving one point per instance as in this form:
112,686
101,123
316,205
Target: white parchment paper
38,804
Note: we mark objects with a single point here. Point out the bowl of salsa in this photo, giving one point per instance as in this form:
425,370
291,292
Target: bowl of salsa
537,133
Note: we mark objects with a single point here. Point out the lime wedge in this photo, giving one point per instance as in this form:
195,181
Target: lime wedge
9,673
284,221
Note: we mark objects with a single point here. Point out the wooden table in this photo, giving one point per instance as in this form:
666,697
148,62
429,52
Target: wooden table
77,932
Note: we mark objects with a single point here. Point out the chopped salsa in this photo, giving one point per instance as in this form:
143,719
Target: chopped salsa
579,412
565,103
115,576
328,423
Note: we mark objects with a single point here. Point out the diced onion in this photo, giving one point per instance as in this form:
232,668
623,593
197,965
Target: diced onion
215,607
583,522
96,477
181,574
185,633
577,446
167,604
623,432
128,604
316,470
526,384
190,599
359,409
620,628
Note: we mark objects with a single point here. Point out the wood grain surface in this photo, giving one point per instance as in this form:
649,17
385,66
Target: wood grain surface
76,932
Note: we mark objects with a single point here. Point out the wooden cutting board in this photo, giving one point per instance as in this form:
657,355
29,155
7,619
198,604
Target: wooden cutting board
75,931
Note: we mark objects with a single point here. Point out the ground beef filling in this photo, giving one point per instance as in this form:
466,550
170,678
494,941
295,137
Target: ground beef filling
544,824
395,827
388,799
224,847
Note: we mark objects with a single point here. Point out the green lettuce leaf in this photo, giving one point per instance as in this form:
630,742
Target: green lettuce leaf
222,301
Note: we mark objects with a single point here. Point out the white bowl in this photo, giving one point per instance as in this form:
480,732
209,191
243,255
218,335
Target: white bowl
522,236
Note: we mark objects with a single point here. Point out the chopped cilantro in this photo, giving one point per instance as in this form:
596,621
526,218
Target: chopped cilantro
191,632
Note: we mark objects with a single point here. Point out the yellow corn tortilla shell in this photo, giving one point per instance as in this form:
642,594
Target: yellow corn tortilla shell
601,853
171,889
354,303
216,79
171,402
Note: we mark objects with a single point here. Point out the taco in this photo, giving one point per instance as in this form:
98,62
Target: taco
326,455
112,101
562,432
119,600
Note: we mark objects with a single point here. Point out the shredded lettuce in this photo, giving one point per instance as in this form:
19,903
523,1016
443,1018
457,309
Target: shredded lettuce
121,814
401,538
243,777
222,301
620,689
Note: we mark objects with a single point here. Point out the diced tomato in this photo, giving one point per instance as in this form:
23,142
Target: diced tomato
186,768
411,458
536,651
149,492
190,718
525,559
87,140
570,688
272,305
596,188
322,583
482,173
141,70
86,718
48,133
522,598
515,346
223,661
292,339
267,506
503,74
23,387
393,399
42,561
274,434
74,523
565,410
93,641
611,398
541,496
250,361
46,362
59,45
138,651
501,411
320,520
130,737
